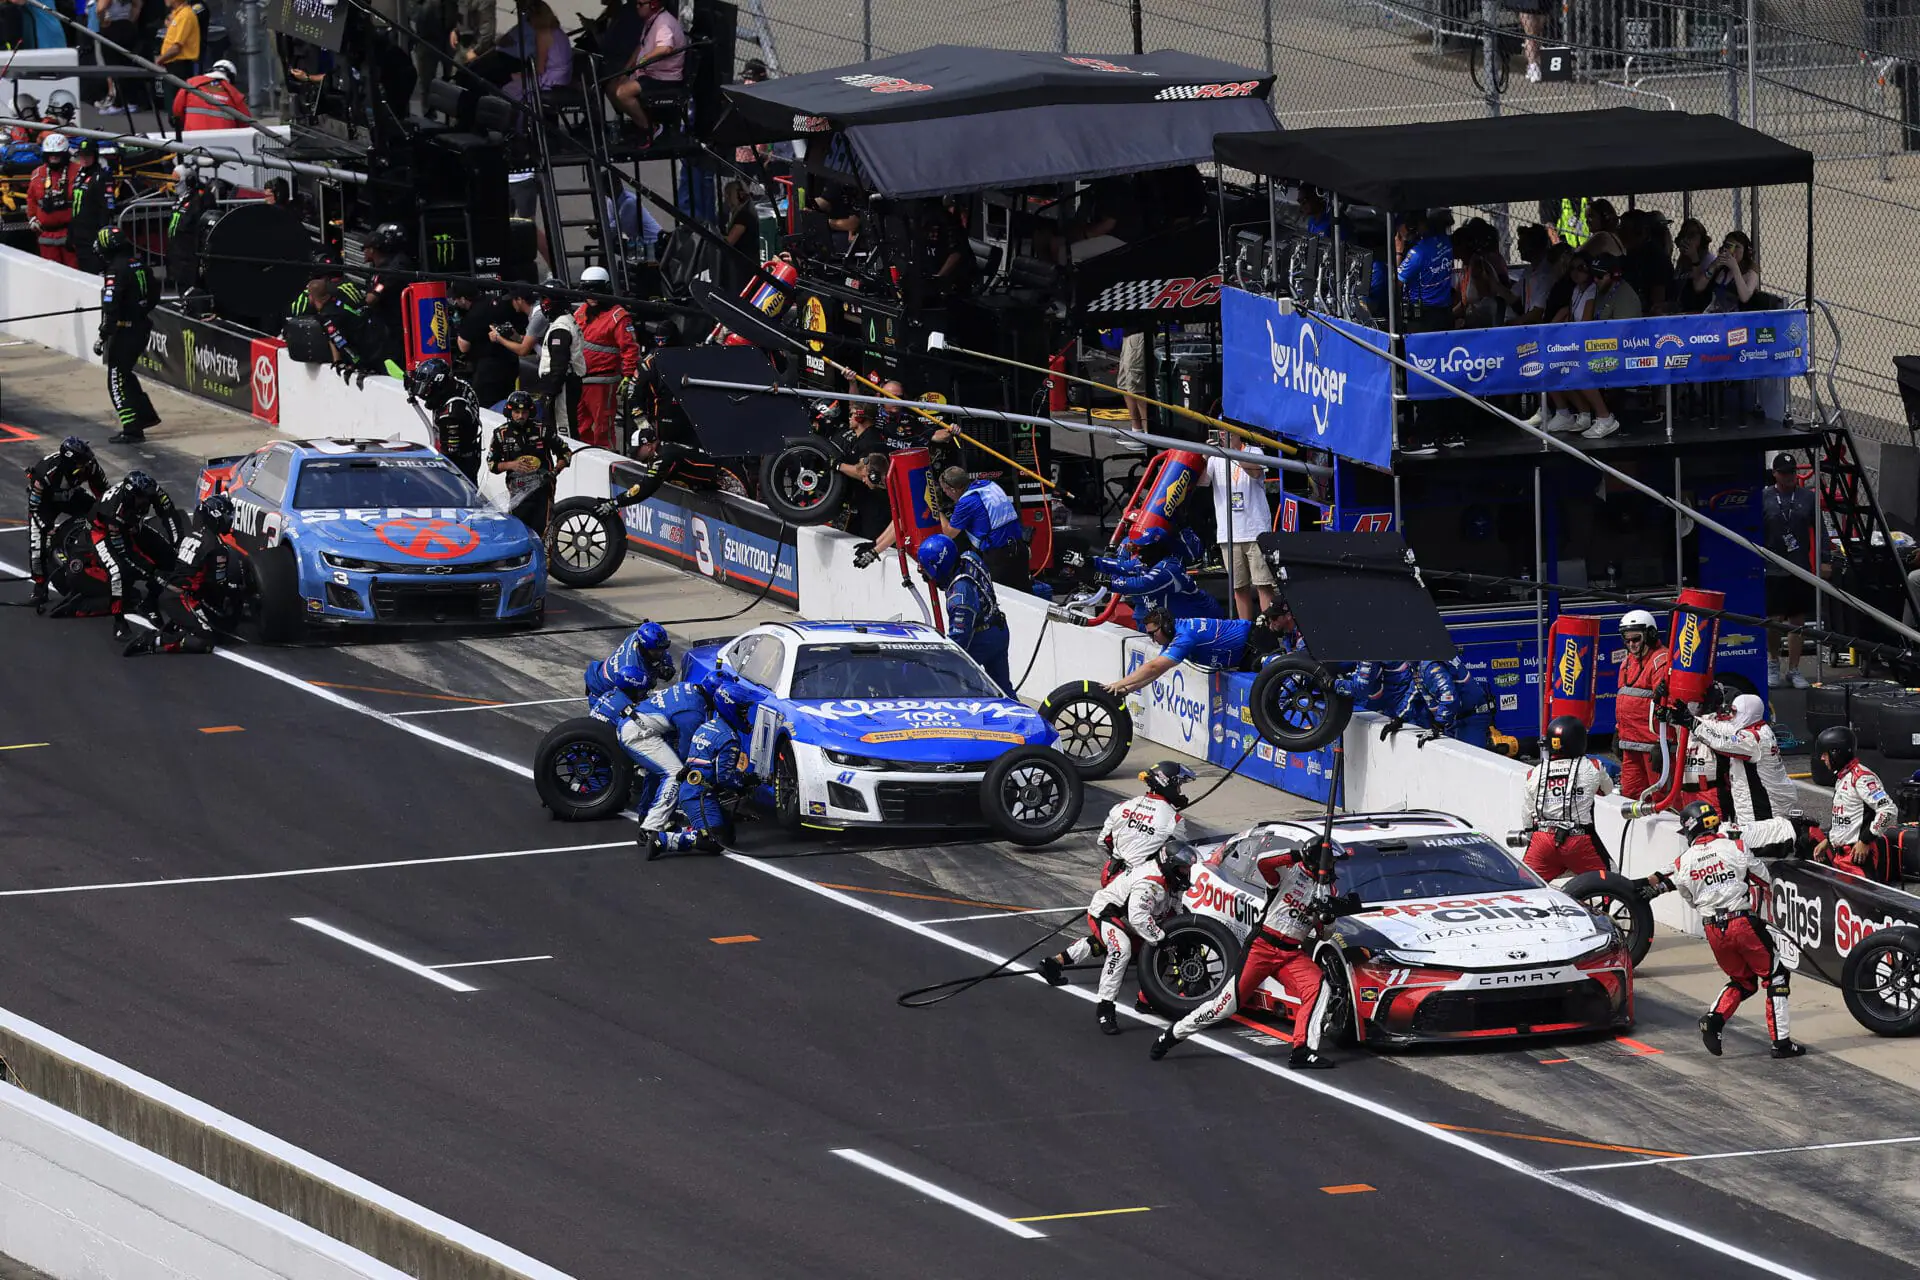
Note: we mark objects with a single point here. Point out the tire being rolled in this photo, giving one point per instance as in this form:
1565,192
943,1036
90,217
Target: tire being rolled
587,547
1617,898
1187,968
1290,707
1095,728
1031,795
581,771
1880,981
802,483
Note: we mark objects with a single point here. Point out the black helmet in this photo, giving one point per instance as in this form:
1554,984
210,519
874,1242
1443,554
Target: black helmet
552,298
388,237
73,449
1699,819
61,111
1566,738
1717,698
109,241
1176,867
1837,746
1317,857
519,400
217,511
427,376
143,485
1164,780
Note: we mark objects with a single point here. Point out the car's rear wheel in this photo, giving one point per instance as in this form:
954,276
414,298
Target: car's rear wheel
581,771
1881,981
1188,967
1620,900
1031,795
1095,728
1294,708
587,546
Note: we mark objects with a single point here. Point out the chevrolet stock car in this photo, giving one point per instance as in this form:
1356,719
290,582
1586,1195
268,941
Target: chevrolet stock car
343,532
1456,941
871,724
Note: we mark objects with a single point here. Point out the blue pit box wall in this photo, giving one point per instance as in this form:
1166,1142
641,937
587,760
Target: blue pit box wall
1308,774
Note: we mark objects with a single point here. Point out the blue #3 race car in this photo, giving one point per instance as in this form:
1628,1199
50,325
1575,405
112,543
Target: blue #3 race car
338,532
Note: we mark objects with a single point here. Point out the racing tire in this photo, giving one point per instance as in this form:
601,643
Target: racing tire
1095,728
1881,981
786,788
1031,795
1341,1029
802,484
1291,707
276,585
581,771
68,556
586,547
1187,968
1619,899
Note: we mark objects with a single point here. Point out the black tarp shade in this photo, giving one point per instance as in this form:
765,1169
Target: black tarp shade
1617,152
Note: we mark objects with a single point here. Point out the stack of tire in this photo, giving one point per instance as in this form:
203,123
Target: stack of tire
1884,715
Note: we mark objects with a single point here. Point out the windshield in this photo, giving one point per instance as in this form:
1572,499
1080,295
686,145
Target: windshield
1430,867
383,482
826,671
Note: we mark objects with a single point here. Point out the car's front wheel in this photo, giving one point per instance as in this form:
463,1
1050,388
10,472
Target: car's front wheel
276,583
587,546
786,788
1031,795
1620,900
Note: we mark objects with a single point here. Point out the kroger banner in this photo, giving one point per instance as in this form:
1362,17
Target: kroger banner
1299,378
1651,352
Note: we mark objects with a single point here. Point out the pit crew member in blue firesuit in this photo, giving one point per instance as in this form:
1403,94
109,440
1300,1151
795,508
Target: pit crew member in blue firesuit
974,620
1384,687
1162,581
640,663
1717,877
656,732
1450,701
1228,643
717,762
1129,906
202,569
66,482
990,521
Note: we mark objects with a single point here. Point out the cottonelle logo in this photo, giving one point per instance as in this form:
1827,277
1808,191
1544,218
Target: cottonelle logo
1299,369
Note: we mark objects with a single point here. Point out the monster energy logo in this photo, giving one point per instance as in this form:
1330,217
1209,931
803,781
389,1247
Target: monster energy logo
443,249
186,343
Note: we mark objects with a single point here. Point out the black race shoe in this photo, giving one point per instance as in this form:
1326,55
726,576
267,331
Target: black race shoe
1109,1024
1788,1049
654,845
38,598
1303,1059
1050,970
122,629
1163,1042
128,437
1710,1025
1143,1005
139,645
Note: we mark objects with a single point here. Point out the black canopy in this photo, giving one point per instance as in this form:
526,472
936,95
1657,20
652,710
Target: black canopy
953,119
1621,151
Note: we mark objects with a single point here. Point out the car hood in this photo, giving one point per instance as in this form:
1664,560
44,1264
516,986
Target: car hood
442,535
922,730
1521,927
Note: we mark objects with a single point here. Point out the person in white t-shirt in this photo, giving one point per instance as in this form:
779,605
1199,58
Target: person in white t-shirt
1241,514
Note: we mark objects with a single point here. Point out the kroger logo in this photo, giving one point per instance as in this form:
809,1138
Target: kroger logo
1460,360
1171,696
1299,368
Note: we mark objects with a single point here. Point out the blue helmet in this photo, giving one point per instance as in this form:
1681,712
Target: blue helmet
73,448
939,557
1150,545
732,705
651,635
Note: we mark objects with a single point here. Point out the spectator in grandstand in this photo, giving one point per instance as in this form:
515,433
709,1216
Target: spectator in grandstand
1615,297
1733,277
1584,410
658,66
1603,229
1486,294
538,36
1684,296
120,23
1649,258
1546,286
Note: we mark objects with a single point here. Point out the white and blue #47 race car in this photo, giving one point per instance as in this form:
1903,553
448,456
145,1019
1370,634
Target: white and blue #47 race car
856,725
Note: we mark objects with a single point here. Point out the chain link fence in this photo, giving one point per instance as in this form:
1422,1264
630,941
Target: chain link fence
1840,79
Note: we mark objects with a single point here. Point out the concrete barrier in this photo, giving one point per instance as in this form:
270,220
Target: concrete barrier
30,285
75,1200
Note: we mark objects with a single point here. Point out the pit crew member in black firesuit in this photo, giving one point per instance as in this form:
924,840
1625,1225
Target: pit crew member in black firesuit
1557,804
128,295
386,250
340,305
531,456
1129,906
563,358
456,414
96,201
64,483
666,461
1716,876
1301,909
201,569
117,518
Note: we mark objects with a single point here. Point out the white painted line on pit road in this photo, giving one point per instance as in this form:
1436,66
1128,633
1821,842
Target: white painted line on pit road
1005,915
941,1194
1393,1115
296,872
491,706
1734,1155
475,964
391,957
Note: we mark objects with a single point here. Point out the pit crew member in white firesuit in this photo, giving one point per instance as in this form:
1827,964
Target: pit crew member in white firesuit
1138,829
1297,915
1557,807
1751,786
1715,875
1128,907
1863,813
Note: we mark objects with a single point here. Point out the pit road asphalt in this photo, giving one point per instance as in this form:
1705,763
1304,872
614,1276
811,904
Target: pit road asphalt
651,1100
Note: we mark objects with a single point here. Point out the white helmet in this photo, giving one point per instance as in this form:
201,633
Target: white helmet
595,278
1640,619
224,69
54,144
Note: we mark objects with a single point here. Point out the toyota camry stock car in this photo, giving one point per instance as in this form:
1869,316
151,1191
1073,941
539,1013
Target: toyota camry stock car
1457,940
863,724
374,532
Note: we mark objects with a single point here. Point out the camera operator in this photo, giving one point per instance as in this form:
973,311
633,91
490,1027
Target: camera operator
523,336
860,454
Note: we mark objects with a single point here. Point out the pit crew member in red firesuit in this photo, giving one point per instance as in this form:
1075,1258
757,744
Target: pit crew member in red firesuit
1298,913
1863,813
64,483
1130,906
1715,875
1642,673
1557,808
199,570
